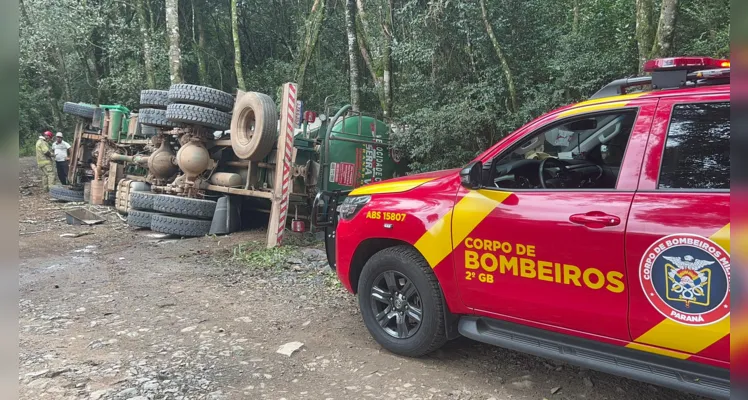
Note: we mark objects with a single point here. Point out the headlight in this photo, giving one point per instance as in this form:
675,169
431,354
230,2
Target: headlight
352,205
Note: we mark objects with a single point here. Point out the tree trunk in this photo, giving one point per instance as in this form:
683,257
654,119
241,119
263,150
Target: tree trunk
644,30
314,23
664,38
172,29
364,38
387,61
145,33
575,20
500,55
350,29
237,47
202,68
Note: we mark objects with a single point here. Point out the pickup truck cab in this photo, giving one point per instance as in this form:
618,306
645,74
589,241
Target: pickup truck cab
597,234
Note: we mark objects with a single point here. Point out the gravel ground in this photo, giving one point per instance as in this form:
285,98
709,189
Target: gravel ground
121,314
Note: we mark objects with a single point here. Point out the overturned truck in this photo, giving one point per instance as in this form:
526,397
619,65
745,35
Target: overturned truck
195,160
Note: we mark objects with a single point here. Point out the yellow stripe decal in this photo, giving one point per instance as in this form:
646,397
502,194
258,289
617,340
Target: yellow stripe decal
686,338
657,350
592,108
625,97
438,242
389,187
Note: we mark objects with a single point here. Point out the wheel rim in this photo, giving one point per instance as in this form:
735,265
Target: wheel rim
396,304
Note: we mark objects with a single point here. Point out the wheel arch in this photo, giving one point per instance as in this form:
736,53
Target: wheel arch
364,252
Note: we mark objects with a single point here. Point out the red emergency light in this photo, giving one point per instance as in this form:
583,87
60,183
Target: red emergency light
685,63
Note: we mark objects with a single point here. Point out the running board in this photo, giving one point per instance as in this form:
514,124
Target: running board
660,370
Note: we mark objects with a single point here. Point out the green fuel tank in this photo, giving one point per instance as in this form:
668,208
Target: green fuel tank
356,151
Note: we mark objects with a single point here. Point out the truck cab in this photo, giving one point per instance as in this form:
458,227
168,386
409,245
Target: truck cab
597,234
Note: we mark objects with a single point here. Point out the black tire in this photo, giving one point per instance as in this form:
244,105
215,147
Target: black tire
63,193
201,96
254,128
180,226
198,115
408,263
184,206
142,200
140,219
154,98
79,110
155,117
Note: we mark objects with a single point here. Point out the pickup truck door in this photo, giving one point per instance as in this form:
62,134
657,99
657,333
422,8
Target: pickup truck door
678,235
553,258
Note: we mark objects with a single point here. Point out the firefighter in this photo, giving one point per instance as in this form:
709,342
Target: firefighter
44,160
62,157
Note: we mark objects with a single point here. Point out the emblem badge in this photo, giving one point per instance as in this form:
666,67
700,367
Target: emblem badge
687,279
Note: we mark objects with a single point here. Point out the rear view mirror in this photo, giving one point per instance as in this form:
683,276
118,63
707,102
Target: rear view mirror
583,125
471,176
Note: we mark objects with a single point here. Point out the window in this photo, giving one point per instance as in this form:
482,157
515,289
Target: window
580,153
697,150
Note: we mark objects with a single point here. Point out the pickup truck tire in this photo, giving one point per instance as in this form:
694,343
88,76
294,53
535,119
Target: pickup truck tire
254,126
155,117
140,219
154,98
184,206
180,226
79,110
142,200
201,96
399,276
65,194
198,115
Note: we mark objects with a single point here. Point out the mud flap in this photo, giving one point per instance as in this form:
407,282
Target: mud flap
227,217
325,215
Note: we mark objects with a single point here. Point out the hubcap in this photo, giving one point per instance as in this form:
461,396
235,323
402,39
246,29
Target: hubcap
396,304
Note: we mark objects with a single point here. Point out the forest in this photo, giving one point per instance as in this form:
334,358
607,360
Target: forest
458,74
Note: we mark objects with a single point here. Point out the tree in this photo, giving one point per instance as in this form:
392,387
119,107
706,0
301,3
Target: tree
664,38
237,48
312,27
172,28
501,56
350,29
145,32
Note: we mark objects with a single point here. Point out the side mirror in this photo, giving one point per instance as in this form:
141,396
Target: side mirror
471,176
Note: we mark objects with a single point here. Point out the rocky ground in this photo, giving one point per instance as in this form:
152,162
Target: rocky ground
124,314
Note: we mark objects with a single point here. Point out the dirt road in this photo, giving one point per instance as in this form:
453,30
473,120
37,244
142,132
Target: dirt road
118,314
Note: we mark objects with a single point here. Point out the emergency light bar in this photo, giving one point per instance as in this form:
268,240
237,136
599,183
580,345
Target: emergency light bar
671,73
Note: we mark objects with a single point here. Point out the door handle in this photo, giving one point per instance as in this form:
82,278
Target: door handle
595,219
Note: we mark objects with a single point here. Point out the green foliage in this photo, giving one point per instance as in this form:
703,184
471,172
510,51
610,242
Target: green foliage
450,92
255,255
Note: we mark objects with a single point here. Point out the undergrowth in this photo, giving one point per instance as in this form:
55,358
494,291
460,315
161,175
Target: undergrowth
255,254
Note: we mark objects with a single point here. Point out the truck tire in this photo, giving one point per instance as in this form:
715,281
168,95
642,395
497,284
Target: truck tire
184,206
180,226
140,219
79,110
201,96
155,117
399,279
191,114
154,98
254,126
63,193
142,200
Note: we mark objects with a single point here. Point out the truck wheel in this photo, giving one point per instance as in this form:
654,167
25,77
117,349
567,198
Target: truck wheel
63,193
79,110
154,98
401,302
142,200
201,96
180,226
254,126
140,219
198,115
155,117
184,206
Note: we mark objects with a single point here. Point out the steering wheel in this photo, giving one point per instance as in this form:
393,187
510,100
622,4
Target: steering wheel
562,170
